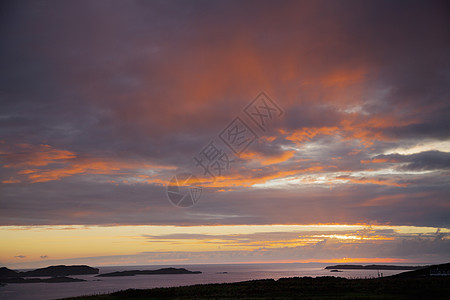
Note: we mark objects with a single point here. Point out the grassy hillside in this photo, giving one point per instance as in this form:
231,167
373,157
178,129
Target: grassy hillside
304,288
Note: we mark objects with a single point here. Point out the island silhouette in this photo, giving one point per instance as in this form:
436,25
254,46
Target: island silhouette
60,273
56,273
149,272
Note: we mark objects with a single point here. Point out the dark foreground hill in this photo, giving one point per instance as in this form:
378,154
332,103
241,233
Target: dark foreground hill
435,270
299,288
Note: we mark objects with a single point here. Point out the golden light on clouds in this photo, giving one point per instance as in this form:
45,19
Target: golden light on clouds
28,244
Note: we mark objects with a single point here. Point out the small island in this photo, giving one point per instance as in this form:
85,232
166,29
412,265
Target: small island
149,272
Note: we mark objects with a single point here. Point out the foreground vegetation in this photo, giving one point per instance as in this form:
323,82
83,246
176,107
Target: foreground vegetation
295,288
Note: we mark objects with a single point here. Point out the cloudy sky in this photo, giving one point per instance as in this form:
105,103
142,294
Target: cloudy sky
330,121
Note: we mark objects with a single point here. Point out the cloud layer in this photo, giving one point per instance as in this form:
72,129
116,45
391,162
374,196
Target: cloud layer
103,102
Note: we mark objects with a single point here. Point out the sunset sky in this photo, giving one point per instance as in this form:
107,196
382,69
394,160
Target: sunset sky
103,102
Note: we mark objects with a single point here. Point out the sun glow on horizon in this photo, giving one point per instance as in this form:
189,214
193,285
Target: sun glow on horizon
42,245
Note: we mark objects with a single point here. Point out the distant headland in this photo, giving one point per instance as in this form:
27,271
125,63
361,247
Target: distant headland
373,267
60,274
149,272
56,274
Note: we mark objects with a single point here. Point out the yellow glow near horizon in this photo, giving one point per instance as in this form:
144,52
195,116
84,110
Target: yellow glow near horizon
29,243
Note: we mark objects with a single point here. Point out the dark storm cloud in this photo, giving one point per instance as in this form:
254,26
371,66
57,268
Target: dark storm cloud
429,160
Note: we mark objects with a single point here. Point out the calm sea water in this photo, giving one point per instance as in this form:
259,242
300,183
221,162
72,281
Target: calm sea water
210,274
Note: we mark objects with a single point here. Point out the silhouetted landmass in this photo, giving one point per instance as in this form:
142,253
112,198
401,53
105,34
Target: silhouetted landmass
373,267
60,270
435,270
57,274
298,288
35,280
150,272
335,271
8,273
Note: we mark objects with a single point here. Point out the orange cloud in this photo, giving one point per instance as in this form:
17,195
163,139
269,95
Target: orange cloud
31,156
247,180
387,200
344,77
370,129
50,164
306,134
367,129
359,131
10,181
268,160
377,181
374,161
355,152
85,167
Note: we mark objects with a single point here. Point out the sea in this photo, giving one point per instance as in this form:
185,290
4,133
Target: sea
211,273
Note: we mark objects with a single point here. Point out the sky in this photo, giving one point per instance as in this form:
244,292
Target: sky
316,131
